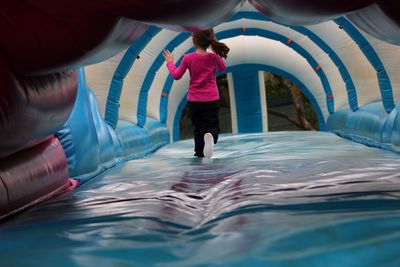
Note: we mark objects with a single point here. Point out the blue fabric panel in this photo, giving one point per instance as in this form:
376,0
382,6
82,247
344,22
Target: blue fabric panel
390,132
395,139
368,121
134,139
337,121
386,90
78,136
365,125
247,97
118,151
393,127
106,143
158,132
138,142
112,106
142,102
177,119
92,146
383,78
158,62
303,88
164,99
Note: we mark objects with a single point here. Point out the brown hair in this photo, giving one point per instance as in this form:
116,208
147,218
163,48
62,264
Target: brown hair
207,38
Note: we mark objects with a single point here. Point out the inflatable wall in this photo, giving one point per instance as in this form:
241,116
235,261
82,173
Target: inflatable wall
83,86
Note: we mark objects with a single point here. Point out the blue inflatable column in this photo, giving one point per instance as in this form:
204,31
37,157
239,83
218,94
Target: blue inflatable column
247,96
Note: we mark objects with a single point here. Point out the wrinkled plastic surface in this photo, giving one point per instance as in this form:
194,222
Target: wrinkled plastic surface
32,108
370,125
78,135
280,199
92,146
32,175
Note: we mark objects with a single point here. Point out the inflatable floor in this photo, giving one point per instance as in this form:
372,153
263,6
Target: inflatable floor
278,199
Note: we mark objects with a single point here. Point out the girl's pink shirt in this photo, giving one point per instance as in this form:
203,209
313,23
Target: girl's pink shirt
203,81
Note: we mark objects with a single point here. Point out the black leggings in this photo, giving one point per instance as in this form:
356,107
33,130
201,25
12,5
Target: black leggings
205,119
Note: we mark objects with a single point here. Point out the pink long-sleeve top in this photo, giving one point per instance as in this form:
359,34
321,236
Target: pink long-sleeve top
203,81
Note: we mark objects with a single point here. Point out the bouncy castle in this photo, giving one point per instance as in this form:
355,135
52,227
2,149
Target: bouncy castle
92,171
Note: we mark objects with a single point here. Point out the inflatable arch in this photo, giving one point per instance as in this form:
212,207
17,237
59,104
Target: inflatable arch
336,65
81,119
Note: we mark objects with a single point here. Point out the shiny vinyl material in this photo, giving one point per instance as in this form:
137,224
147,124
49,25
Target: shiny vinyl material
278,199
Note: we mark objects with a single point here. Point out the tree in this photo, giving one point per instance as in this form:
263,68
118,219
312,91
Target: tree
278,85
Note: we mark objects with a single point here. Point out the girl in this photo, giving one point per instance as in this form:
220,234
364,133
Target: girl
203,96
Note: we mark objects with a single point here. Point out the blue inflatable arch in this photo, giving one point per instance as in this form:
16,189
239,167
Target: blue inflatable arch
257,67
347,75
130,58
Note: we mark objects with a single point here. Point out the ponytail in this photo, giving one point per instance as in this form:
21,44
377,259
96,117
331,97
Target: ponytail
207,38
220,48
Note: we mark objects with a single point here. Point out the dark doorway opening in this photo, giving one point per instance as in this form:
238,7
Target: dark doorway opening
288,108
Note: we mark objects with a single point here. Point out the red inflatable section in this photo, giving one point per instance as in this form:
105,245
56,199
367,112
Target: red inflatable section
66,33
39,40
33,108
31,176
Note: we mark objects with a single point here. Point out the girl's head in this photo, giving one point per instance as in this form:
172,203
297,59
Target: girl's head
205,39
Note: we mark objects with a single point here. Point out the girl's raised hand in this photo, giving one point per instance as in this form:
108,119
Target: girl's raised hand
168,56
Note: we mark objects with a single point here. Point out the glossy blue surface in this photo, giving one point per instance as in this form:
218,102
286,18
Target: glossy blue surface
279,199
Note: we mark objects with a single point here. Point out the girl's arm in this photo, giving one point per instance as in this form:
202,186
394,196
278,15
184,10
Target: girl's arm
176,73
221,66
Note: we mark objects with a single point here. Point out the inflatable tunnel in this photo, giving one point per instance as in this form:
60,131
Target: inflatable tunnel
85,91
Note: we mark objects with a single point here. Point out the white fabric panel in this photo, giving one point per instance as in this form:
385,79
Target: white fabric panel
263,99
390,57
153,106
154,97
333,75
330,69
363,74
134,80
99,76
179,88
338,86
178,92
232,100
258,50
335,80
